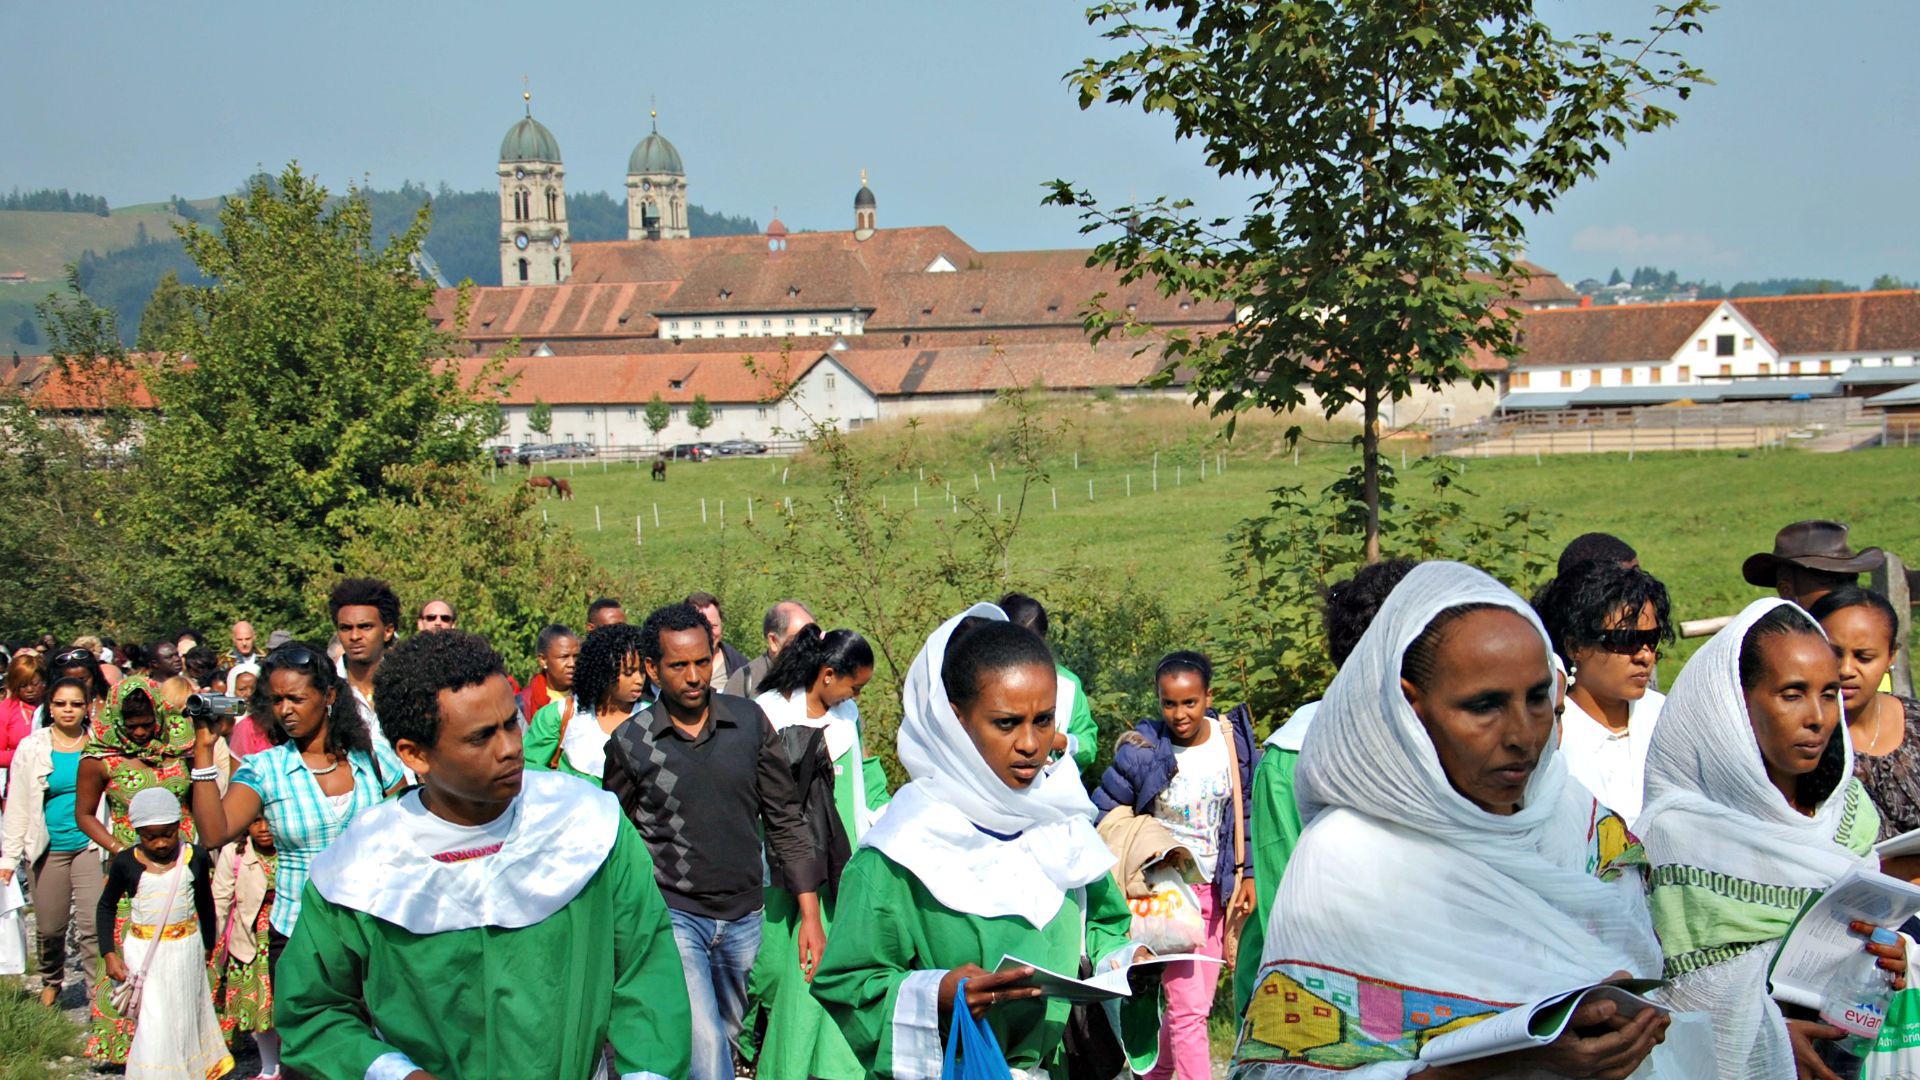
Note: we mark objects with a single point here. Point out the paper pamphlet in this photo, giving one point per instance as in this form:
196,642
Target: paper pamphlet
10,897
1106,986
1821,938
1907,843
1537,1023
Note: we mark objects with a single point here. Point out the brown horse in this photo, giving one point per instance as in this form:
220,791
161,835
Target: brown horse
551,485
659,468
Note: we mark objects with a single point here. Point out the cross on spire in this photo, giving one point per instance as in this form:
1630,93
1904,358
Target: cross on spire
526,94
653,112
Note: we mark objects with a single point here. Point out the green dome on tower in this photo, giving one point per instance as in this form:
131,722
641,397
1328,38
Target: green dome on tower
655,155
529,140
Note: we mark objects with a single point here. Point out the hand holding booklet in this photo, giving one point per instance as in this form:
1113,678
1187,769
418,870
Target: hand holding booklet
1105,986
1538,1023
1821,938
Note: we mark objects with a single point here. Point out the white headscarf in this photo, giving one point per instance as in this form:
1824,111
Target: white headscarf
1400,881
1711,812
934,825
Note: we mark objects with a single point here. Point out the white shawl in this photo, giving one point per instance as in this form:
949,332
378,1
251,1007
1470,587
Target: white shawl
1712,815
842,727
1406,907
934,825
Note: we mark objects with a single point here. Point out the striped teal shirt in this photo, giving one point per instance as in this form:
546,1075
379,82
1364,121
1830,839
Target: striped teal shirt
303,818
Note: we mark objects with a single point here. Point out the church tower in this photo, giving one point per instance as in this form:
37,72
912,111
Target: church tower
534,248
656,189
864,208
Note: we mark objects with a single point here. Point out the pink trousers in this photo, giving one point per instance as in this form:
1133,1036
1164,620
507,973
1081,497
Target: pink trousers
1184,1050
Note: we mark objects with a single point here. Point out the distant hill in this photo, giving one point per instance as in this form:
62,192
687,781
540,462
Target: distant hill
121,257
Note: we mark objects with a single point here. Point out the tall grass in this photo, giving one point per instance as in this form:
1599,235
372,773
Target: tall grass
36,1043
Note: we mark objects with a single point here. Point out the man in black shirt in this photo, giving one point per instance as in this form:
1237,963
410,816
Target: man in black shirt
699,774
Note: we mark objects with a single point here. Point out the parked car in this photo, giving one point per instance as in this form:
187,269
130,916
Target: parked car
740,446
690,452
575,450
538,451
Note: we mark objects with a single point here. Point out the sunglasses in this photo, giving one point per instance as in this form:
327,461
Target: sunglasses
294,656
72,656
1629,642
448,619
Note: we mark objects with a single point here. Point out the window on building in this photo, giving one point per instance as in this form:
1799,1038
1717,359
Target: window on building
1746,343
677,384
673,416
761,412
1686,373
633,414
1826,367
1566,378
1700,346
523,269
1766,368
764,323
556,270
1793,367
813,321
553,205
589,414
836,320
1723,345
675,325
789,324
1726,371
1593,377
1626,376
1653,374
743,324
830,380
1520,380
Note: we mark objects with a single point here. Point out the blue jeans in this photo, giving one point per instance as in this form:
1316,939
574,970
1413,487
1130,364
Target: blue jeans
716,955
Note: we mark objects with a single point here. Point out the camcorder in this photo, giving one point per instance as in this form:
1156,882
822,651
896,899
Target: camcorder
206,708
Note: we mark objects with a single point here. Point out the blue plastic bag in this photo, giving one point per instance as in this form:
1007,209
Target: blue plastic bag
972,1051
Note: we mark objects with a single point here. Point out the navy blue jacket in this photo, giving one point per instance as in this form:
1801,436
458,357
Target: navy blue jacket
1143,766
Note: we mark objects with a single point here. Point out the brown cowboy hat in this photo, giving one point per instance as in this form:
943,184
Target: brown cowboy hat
1816,545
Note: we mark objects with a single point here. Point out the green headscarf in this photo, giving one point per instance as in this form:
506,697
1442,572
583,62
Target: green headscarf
172,740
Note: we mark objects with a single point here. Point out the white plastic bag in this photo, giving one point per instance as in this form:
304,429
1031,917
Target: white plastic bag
1168,920
1896,1056
13,929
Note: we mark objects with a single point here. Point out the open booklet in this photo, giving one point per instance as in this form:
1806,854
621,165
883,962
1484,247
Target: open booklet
1821,938
1907,843
1106,986
1536,1023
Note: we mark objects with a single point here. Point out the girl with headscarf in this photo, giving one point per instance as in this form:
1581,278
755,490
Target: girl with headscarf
1752,809
1448,869
138,743
989,852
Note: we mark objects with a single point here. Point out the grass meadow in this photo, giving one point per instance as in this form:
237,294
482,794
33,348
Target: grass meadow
1692,516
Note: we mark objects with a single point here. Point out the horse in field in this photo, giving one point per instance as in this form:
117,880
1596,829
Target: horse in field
551,485
659,468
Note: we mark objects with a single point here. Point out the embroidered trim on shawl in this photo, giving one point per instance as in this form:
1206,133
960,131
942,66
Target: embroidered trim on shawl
1676,966
1732,888
1310,1014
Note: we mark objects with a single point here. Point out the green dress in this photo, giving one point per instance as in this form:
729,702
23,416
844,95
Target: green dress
492,1003
1274,835
799,1040
542,739
1080,724
891,934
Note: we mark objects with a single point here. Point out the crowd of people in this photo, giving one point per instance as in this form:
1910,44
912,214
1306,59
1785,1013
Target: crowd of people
383,857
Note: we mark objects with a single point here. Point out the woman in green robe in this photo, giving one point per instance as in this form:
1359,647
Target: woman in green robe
989,854
813,686
609,684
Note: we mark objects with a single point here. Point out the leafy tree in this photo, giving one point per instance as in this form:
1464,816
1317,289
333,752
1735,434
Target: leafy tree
1886,282
168,313
659,414
313,380
1615,278
25,334
700,414
1394,158
540,418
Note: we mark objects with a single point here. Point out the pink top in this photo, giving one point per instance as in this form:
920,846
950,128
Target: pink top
247,738
16,721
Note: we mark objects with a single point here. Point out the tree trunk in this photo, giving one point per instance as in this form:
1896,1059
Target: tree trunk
1370,468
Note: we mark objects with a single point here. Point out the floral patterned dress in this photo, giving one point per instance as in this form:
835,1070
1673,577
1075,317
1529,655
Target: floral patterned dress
1893,779
244,994
163,761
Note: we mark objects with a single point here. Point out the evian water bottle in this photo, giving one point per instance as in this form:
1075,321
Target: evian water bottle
1856,1000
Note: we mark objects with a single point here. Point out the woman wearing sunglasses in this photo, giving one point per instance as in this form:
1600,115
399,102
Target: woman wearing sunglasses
1608,623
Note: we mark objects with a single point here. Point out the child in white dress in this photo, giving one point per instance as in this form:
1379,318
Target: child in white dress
165,946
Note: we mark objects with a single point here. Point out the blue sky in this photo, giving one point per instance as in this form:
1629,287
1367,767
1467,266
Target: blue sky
1801,161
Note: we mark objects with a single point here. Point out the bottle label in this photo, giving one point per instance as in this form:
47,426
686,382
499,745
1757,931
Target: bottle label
1856,1019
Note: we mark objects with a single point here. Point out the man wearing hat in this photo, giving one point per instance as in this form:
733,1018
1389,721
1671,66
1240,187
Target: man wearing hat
1809,560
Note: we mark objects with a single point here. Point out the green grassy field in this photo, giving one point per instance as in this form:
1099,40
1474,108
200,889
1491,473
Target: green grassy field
43,242
1693,516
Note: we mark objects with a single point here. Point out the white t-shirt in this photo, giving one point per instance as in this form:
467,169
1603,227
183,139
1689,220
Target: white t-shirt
1196,799
1613,767
446,842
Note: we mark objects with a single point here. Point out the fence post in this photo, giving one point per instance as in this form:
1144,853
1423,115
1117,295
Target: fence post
656,515
999,506
596,517
1055,492
703,509
1076,460
993,473
750,505
976,481
1089,490
639,540
783,478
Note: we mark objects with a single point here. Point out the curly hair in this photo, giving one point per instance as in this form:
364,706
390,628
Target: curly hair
346,728
1352,604
365,592
410,679
672,619
603,655
1581,605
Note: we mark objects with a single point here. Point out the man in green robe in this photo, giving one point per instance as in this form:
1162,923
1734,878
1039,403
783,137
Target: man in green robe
488,924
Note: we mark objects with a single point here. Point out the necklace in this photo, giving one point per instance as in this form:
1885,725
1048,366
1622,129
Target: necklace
77,741
321,772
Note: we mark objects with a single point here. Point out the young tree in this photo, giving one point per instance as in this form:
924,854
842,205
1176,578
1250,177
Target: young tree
1394,156
540,418
314,374
1881,283
700,414
166,313
1615,278
659,415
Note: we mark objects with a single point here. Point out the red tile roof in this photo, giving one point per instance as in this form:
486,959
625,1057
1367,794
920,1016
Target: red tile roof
1622,334
1835,324
1844,323
977,369
75,388
722,377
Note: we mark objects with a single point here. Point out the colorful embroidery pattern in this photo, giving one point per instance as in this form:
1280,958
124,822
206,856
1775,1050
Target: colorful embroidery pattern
1307,1014
467,854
